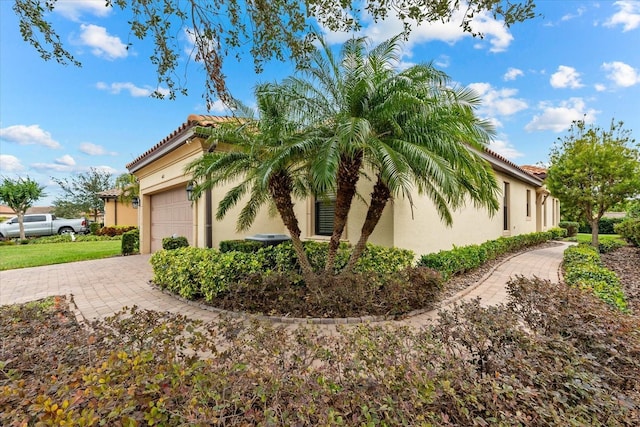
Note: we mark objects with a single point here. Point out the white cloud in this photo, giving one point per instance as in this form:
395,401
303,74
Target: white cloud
218,107
443,61
505,148
28,135
621,74
74,9
570,16
628,16
9,163
95,150
600,87
494,32
65,160
566,77
135,91
558,118
500,102
52,167
102,44
512,74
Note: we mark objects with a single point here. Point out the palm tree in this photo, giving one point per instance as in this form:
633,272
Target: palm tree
410,131
264,163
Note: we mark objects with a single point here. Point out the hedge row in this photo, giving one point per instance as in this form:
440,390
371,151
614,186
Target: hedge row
605,226
462,259
629,229
197,272
583,269
115,230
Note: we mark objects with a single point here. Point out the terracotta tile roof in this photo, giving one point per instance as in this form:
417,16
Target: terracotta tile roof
511,164
535,170
110,194
192,121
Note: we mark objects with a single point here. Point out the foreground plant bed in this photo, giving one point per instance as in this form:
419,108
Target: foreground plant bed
554,356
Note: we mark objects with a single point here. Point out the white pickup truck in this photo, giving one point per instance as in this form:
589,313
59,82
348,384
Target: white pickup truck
42,225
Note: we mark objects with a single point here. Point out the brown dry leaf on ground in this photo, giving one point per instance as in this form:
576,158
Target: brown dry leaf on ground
626,263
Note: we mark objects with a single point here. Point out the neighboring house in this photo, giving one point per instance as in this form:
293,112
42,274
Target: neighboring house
117,212
6,211
165,208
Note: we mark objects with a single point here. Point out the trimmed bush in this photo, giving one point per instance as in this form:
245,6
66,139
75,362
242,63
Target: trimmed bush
570,226
583,269
629,229
170,243
94,228
247,246
462,259
131,242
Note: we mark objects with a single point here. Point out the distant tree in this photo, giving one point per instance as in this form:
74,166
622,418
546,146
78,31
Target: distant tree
65,209
20,194
82,191
274,29
592,169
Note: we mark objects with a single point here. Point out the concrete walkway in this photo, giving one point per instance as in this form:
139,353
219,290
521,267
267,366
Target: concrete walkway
102,287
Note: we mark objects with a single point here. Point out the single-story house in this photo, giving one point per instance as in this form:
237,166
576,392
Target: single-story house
165,209
117,212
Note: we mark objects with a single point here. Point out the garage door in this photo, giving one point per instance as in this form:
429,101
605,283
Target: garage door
171,213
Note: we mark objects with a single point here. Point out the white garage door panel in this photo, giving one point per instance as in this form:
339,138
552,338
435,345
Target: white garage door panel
170,214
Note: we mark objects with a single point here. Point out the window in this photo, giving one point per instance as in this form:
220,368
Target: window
505,207
324,213
528,203
35,218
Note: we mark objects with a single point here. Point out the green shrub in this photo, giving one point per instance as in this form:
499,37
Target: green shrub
178,270
131,242
629,229
170,243
462,259
558,233
94,228
609,246
605,226
247,246
570,226
583,269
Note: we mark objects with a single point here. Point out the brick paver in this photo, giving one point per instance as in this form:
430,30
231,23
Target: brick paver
102,287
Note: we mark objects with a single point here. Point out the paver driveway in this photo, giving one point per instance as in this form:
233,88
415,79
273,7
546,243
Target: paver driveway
102,287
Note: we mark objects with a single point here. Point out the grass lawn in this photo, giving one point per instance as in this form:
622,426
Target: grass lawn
33,255
586,238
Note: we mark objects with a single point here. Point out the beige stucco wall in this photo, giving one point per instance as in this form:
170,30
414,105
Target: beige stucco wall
423,232
119,213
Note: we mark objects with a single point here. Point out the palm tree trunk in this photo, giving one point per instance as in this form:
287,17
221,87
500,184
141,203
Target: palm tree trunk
280,188
348,175
379,198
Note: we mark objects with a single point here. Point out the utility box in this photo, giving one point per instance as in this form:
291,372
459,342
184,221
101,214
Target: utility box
269,239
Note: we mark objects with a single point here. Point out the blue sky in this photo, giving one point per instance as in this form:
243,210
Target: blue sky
579,59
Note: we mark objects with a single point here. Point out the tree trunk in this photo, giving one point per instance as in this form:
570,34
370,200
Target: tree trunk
595,231
280,188
21,225
348,175
379,198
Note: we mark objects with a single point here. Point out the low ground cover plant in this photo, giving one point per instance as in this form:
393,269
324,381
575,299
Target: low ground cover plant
583,269
555,355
